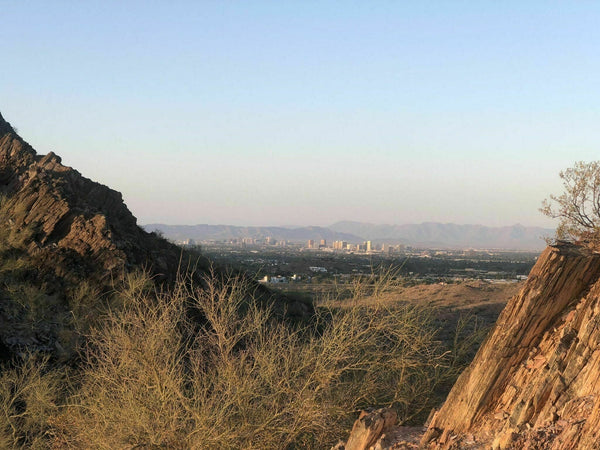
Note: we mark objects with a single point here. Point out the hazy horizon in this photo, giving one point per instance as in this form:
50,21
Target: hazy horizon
265,225
307,113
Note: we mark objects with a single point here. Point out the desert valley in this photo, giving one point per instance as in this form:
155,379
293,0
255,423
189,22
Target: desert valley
299,225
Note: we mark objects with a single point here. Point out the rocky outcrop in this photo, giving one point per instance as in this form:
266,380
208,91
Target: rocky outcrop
369,428
59,230
377,430
75,221
535,383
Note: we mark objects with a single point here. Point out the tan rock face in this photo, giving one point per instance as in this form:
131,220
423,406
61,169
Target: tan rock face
535,383
369,428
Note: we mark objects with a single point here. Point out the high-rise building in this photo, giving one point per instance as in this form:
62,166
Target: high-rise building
369,246
340,245
311,243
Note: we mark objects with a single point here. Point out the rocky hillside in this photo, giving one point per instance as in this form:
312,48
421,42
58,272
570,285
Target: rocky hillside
535,382
60,231
75,223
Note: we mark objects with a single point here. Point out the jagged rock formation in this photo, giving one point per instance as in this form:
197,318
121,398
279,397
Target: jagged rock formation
369,428
376,430
59,229
535,383
75,222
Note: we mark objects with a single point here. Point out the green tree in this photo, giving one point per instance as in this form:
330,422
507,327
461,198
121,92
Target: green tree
578,207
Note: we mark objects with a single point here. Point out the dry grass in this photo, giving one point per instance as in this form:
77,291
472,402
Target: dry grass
12,239
29,398
239,378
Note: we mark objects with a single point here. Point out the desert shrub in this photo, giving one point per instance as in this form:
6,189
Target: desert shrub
376,284
468,336
30,394
18,297
578,207
12,238
240,378
131,392
85,305
207,365
29,304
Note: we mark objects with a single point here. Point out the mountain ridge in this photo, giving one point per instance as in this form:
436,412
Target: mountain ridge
451,235
218,232
426,234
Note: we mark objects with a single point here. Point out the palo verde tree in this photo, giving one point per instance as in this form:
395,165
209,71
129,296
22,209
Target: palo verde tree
578,207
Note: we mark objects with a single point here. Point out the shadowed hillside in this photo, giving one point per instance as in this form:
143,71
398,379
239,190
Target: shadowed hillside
64,236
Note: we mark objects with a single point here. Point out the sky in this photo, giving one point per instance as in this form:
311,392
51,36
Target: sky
310,112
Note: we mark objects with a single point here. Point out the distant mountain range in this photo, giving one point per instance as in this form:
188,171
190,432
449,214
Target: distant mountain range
427,235
220,232
434,234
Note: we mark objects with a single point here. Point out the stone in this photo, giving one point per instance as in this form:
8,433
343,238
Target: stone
369,428
535,382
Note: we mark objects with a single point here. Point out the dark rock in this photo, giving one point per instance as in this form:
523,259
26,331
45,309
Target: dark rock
71,230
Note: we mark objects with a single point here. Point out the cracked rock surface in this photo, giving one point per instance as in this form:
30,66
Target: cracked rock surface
535,382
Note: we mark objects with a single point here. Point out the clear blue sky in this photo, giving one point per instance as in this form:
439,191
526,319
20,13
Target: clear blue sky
270,113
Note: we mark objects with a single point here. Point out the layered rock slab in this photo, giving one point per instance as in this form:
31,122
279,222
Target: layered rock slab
75,221
535,382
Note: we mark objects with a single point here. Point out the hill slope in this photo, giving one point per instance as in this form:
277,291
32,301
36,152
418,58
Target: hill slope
61,232
73,220
220,232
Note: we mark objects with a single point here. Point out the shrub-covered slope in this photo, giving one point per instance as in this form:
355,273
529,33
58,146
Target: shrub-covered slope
65,239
